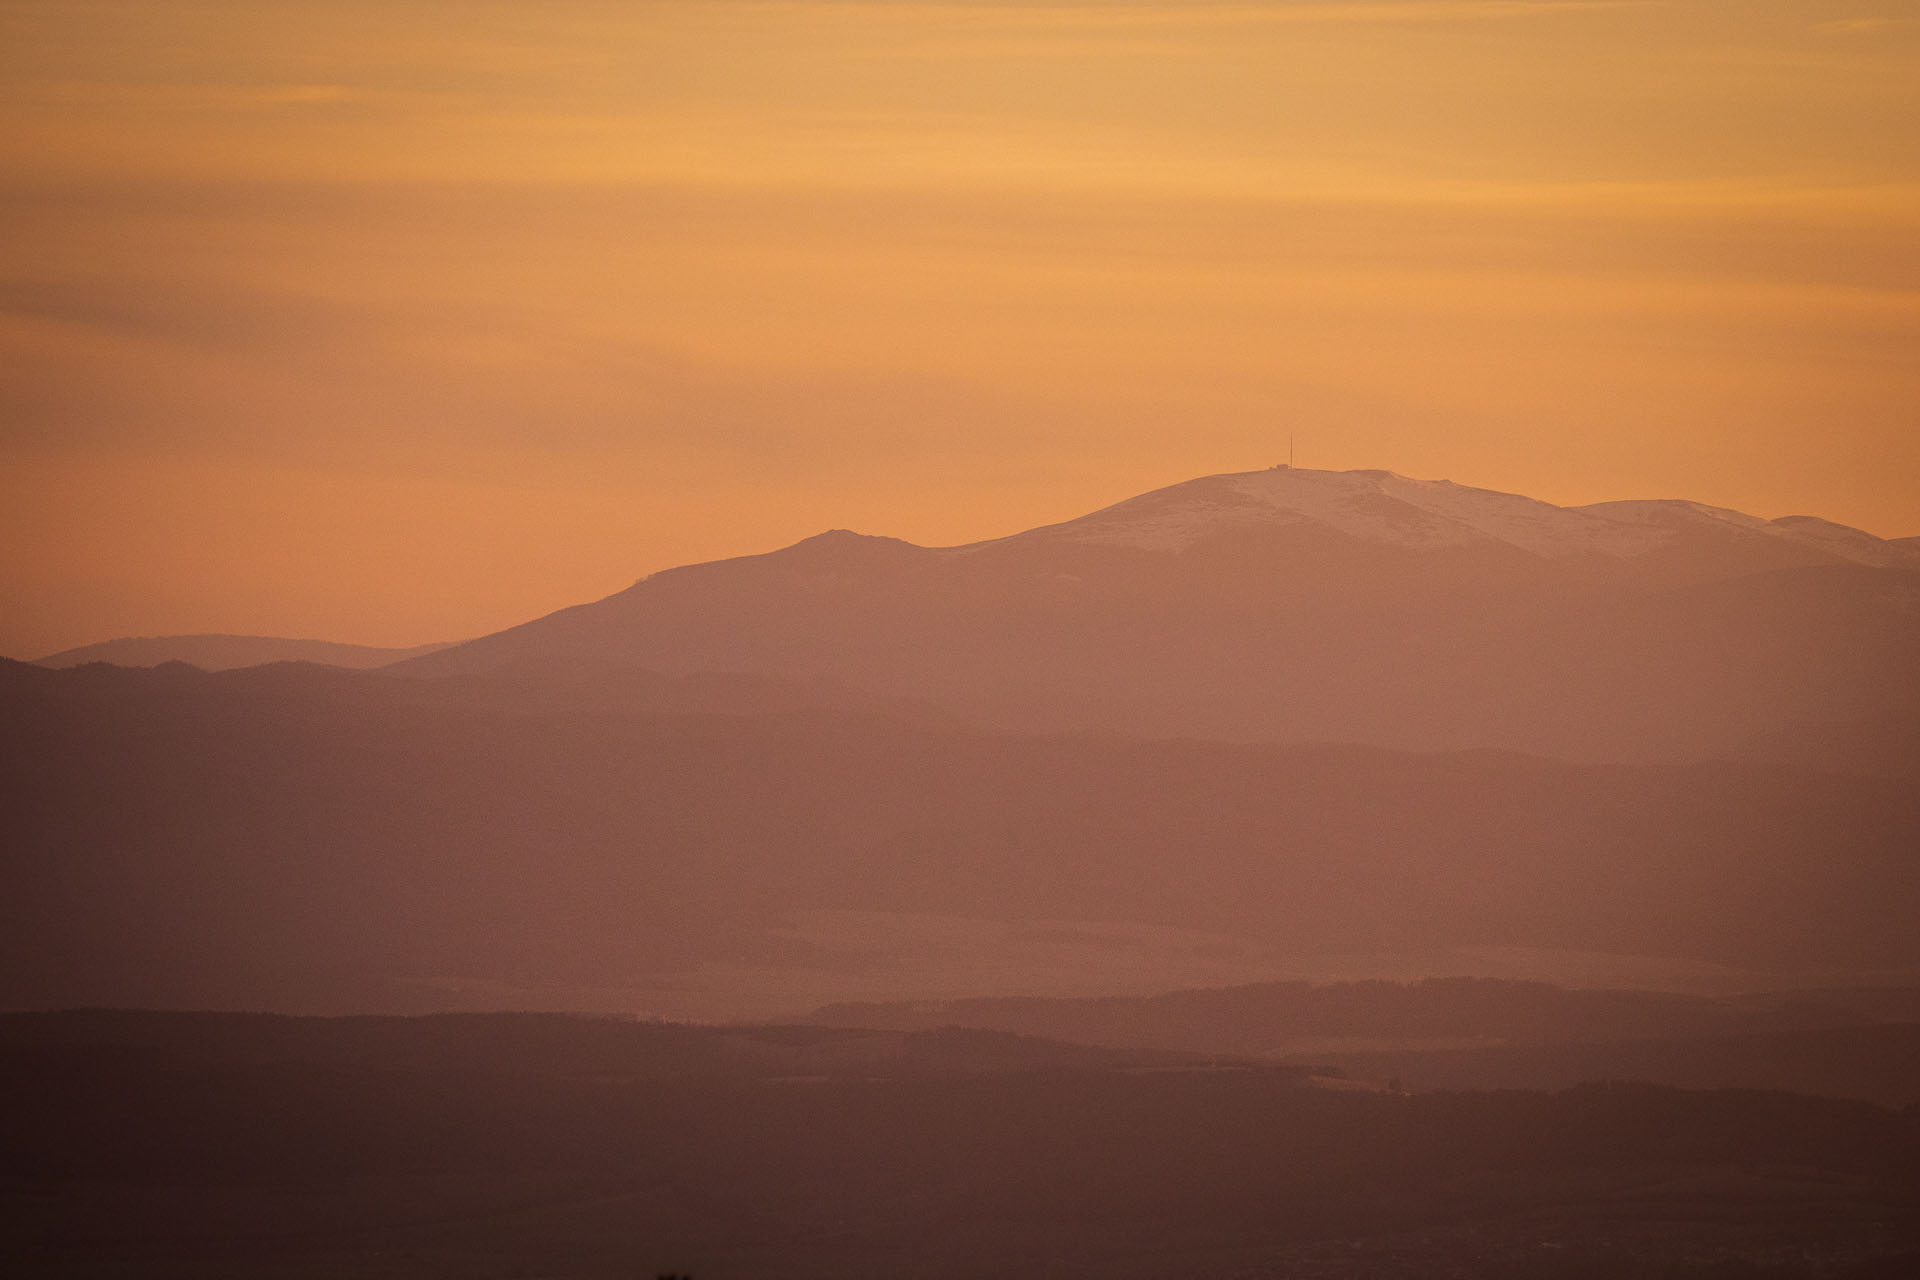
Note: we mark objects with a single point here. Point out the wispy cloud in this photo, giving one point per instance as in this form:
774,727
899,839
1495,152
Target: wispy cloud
1096,16
202,97
1864,26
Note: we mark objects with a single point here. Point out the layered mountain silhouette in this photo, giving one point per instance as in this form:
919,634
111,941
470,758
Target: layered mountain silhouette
1295,605
1104,728
310,839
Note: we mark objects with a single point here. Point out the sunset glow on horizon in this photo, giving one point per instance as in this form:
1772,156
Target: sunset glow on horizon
402,322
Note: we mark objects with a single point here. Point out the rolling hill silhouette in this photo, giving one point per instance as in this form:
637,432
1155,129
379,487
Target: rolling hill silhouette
308,839
225,653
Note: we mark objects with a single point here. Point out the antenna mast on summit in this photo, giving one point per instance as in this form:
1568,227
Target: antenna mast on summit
1289,450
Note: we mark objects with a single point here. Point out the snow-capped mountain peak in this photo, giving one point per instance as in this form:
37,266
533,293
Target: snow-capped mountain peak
1375,506
1382,507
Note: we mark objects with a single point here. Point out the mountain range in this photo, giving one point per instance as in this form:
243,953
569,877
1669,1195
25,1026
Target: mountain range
1187,740
1295,605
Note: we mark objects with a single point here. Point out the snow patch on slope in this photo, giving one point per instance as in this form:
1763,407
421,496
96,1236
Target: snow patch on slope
1854,544
1379,506
1449,514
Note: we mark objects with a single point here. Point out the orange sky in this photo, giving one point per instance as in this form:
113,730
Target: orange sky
406,320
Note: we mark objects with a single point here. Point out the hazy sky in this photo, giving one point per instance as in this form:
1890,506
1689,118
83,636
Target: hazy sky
402,320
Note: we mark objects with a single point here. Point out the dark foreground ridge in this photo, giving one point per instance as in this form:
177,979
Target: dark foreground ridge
1482,1033
165,1145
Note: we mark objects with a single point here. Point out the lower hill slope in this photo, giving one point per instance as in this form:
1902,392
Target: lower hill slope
328,841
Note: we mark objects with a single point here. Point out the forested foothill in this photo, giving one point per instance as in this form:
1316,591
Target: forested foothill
229,1146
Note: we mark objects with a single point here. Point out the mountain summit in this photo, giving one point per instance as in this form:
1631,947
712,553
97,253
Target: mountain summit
1297,605
1382,507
